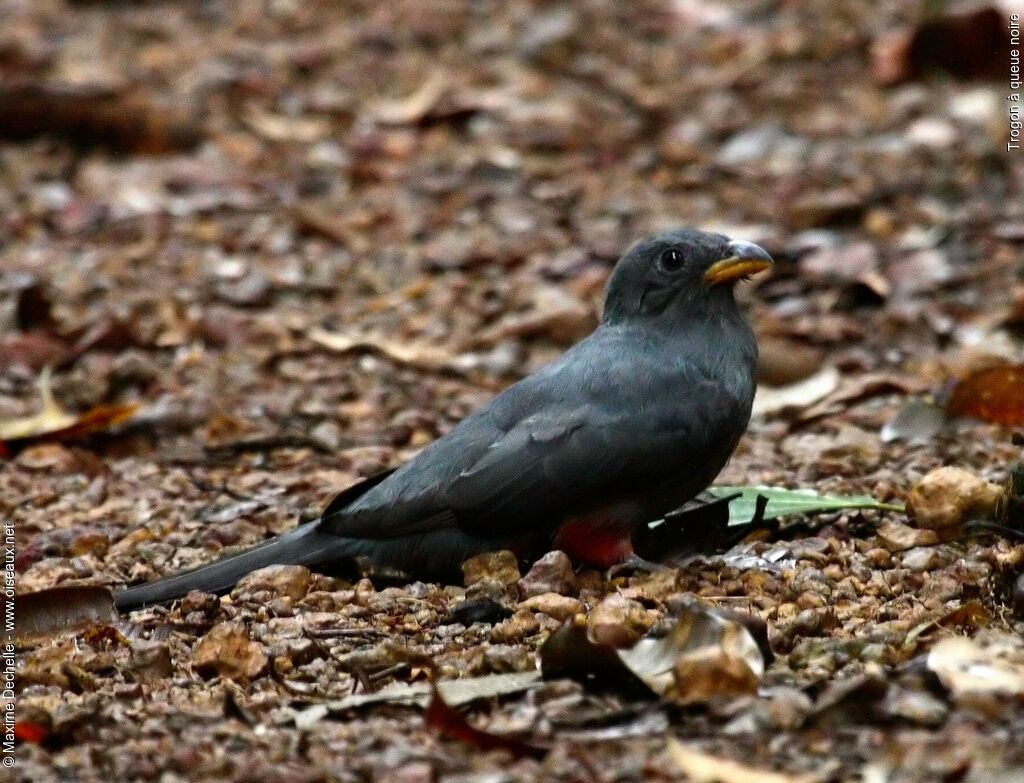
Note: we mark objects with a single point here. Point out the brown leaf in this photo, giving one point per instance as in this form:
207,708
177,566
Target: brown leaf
58,609
412,354
228,651
707,655
992,394
92,114
971,45
702,767
971,614
54,423
771,399
993,663
452,725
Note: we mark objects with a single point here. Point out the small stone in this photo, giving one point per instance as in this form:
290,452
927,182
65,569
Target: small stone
516,628
897,538
947,497
249,290
291,581
553,573
925,558
151,661
49,456
619,621
198,601
878,557
502,567
560,607
228,651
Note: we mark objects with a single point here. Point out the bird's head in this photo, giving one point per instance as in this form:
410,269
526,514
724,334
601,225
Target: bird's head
680,272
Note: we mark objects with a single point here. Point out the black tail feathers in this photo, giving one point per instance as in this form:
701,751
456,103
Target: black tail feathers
306,545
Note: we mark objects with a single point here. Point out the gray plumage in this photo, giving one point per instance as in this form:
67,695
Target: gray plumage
627,425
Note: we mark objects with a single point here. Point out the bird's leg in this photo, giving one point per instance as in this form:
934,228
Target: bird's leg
634,562
603,543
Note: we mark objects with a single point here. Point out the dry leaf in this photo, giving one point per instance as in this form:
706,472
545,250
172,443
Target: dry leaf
771,399
455,692
700,767
278,127
971,614
994,394
54,423
126,120
415,107
412,354
990,663
451,724
58,609
707,655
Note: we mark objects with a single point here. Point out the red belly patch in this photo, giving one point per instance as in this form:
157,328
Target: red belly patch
595,541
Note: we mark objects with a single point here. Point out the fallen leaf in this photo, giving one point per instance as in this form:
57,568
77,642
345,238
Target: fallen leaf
700,526
967,45
788,502
455,692
413,354
279,127
59,609
707,655
971,614
993,663
123,119
772,399
782,361
857,389
993,394
451,724
918,421
700,767
412,108
54,423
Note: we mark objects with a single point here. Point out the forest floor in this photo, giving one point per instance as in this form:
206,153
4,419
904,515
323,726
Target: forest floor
305,239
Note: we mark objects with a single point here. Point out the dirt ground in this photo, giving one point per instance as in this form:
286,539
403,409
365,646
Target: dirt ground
307,238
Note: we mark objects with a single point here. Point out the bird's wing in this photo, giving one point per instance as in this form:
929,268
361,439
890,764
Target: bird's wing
556,463
582,430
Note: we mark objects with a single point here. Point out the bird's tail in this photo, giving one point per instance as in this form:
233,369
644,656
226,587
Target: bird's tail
306,545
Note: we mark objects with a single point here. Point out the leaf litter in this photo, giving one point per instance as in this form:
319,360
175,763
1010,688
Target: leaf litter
474,221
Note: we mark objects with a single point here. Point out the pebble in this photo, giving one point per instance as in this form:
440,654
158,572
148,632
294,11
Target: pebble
947,497
560,607
619,621
897,537
502,567
228,651
291,581
553,573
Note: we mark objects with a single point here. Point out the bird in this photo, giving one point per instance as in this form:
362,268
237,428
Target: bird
628,424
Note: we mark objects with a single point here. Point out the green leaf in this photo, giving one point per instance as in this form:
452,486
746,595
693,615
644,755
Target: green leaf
787,502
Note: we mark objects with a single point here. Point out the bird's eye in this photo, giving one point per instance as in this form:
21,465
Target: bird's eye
672,260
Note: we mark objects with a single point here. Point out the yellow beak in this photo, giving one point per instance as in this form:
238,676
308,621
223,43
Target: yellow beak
744,259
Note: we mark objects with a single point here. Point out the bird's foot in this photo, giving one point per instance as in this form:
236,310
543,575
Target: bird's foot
634,563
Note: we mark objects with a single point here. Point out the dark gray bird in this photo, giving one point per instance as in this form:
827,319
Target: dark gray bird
628,424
